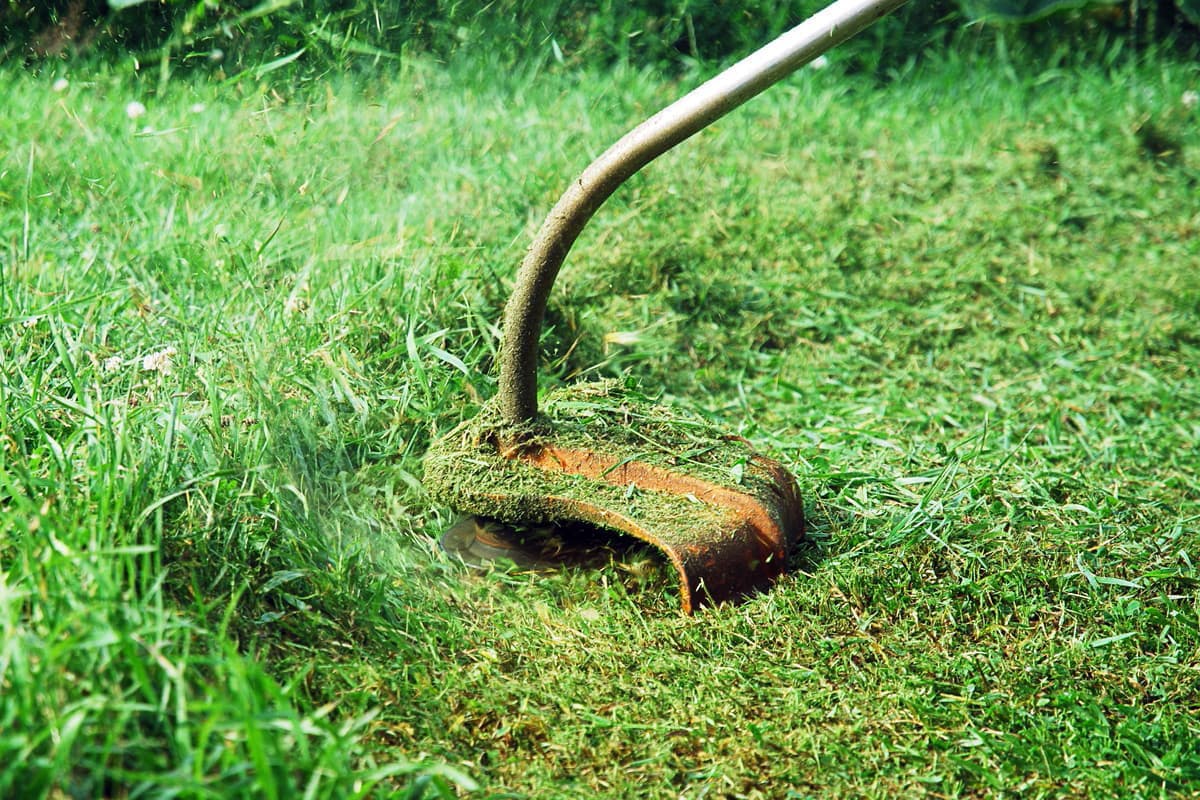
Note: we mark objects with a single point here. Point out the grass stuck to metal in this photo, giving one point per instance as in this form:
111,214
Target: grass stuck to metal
725,516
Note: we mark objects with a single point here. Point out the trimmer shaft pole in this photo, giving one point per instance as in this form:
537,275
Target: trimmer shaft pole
526,308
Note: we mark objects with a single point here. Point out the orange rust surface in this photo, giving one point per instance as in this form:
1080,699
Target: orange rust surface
751,552
656,479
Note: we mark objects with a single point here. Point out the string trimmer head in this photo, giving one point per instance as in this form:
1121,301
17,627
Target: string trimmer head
725,516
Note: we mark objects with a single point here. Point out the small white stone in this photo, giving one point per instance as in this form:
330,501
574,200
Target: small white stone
159,362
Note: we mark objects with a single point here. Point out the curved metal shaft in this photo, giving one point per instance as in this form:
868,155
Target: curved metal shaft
694,111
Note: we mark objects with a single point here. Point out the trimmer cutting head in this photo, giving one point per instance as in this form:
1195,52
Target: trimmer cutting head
725,516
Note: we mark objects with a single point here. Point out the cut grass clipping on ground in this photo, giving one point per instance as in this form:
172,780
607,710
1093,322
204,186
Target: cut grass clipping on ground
963,308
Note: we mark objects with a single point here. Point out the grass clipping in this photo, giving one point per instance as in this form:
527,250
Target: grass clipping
469,471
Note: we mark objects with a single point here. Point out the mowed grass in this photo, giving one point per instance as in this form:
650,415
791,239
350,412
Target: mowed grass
963,306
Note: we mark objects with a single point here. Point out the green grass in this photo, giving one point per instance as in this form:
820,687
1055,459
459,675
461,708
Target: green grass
963,307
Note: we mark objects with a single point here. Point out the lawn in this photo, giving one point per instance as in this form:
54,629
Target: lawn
961,303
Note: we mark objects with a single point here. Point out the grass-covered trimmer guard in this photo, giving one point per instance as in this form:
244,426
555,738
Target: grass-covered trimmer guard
724,515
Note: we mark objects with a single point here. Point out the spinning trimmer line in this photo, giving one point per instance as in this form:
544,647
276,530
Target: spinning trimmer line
725,516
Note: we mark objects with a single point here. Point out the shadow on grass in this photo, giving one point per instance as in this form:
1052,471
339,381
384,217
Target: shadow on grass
580,550
816,544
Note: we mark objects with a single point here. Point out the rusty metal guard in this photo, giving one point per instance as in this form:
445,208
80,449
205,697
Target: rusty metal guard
725,516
